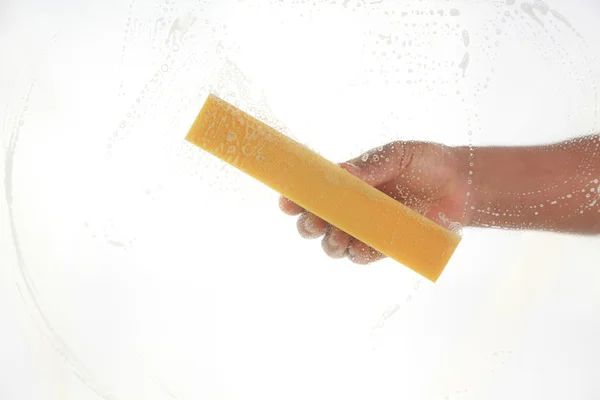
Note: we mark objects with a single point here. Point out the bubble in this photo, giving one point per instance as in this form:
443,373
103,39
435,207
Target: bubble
454,12
123,124
175,47
21,122
164,68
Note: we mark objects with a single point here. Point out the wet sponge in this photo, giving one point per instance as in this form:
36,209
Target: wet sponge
323,188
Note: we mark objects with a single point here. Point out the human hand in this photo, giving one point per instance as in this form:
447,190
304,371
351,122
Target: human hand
427,177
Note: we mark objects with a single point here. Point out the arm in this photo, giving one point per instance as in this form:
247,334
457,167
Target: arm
554,187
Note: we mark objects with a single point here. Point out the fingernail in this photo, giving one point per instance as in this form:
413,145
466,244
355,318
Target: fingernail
332,242
351,164
310,226
351,253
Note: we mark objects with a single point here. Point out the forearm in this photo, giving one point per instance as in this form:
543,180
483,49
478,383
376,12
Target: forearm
554,187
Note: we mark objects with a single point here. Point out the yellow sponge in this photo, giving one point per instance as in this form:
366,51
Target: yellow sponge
323,188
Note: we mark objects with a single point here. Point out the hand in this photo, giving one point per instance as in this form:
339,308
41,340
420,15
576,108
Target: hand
429,178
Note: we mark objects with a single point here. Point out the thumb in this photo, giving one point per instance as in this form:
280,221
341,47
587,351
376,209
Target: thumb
379,165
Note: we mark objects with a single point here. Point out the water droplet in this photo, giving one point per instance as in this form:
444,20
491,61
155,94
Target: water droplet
465,37
464,63
175,47
561,18
231,136
528,9
164,68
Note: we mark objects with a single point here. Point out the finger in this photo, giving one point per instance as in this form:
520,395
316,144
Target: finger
335,242
310,226
360,253
427,169
379,165
289,207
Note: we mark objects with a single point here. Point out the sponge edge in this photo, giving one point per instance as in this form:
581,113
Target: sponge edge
323,188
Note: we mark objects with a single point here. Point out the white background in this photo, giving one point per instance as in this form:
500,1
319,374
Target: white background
135,266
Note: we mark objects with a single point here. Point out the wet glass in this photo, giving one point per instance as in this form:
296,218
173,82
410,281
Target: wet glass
135,265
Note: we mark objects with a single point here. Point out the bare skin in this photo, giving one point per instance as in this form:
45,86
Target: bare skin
554,187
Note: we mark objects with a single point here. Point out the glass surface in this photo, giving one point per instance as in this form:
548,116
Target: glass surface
135,265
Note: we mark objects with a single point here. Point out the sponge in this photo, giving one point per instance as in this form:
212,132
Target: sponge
323,188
